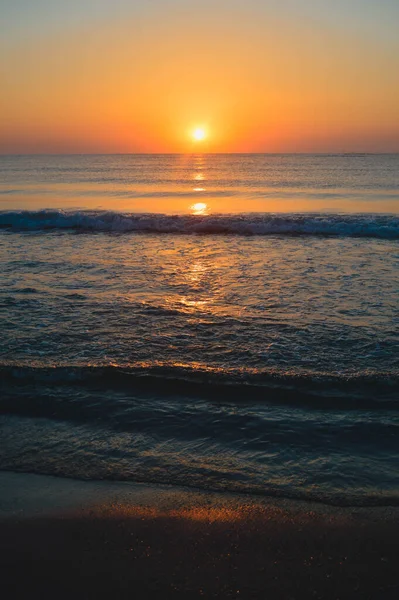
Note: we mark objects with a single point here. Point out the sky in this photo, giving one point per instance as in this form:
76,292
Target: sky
258,76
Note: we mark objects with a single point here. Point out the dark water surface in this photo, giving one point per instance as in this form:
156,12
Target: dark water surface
229,350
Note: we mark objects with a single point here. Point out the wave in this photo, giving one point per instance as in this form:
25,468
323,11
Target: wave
367,390
359,225
150,423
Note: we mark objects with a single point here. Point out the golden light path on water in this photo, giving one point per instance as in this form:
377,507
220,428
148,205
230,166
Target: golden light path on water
199,208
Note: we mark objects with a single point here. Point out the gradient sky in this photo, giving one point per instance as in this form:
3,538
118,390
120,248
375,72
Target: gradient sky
260,75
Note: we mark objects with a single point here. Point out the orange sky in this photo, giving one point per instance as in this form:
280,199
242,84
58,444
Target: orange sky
258,82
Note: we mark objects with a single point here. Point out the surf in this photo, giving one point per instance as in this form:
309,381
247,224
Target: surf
254,224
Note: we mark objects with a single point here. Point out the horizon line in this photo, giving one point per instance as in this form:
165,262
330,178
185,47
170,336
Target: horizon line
346,153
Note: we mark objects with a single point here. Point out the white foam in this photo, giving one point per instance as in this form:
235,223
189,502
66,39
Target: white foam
359,225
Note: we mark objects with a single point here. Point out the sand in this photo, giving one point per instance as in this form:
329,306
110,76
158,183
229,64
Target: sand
72,539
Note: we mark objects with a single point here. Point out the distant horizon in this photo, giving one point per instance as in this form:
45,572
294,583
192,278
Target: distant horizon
332,153
202,184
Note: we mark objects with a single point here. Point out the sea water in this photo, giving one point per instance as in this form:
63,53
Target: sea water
227,322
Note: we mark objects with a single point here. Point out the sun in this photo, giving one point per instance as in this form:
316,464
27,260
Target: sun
199,134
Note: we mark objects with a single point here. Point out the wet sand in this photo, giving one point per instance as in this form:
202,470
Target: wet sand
71,539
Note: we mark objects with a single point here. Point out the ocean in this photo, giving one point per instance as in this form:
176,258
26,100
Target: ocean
222,322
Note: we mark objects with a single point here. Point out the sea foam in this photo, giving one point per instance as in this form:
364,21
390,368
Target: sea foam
358,225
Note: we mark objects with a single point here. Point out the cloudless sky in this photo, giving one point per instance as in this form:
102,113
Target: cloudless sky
259,75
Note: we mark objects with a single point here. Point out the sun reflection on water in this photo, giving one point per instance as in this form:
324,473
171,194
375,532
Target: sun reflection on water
192,303
196,272
199,208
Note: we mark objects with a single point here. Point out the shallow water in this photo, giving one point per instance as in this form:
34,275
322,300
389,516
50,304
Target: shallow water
242,352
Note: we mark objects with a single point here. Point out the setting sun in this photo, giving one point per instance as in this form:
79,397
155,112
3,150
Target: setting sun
199,134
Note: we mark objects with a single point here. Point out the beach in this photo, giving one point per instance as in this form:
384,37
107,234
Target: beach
64,538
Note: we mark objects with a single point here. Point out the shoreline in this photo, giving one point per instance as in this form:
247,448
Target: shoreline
27,495
67,538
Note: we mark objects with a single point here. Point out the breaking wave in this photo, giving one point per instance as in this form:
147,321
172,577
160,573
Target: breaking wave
360,225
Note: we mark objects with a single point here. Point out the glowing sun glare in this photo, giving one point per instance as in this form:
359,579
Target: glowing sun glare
199,208
199,134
